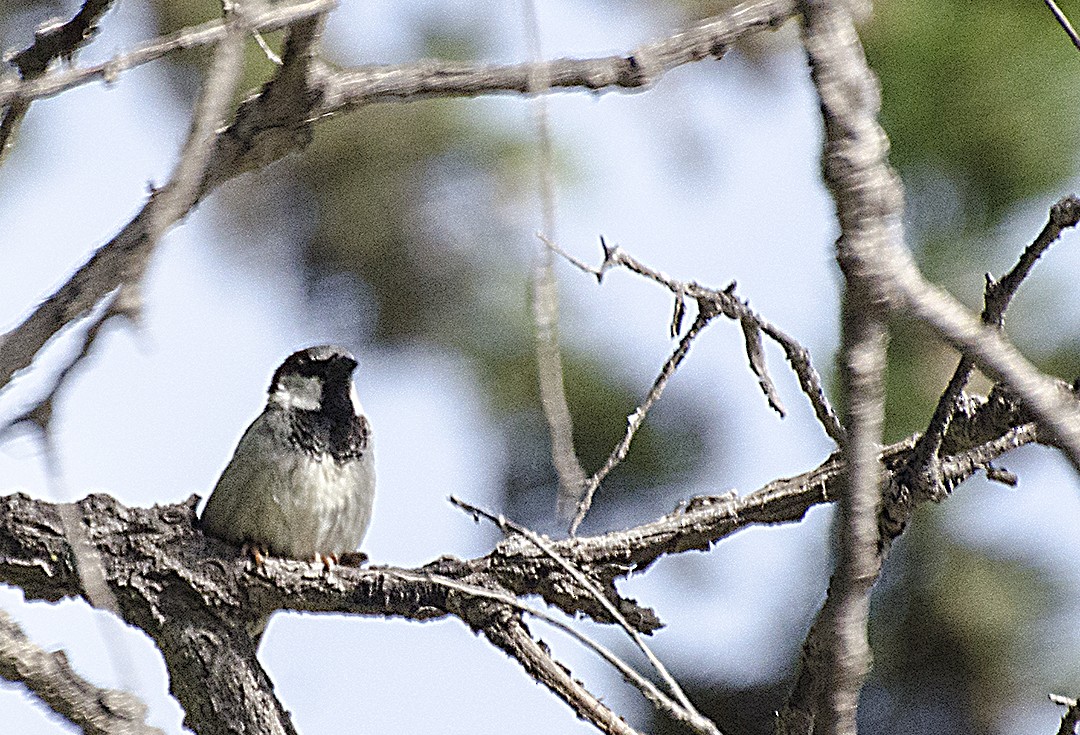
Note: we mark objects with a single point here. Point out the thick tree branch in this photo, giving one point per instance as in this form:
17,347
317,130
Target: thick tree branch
195,596
35,555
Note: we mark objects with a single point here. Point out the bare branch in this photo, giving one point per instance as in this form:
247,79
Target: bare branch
583,702
641,67
265,19
725,302
40,413
1064,23
512,637
992,353
370,84
684,710
49,676
835,657
635,420
1065,213
711,303
51,41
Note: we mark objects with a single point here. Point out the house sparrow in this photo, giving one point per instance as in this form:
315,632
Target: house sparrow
302,479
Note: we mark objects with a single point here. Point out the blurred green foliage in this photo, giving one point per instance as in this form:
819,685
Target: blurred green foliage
955,630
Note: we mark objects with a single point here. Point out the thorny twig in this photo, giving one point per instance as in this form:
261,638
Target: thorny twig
711,303
685,710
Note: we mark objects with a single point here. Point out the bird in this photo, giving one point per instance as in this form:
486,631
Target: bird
301,482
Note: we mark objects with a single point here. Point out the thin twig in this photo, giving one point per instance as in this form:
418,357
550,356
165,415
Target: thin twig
545,291
646,687
1064,23
269,18
732,307
634,420
711,303
691,716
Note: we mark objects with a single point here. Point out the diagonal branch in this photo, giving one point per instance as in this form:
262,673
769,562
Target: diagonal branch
683,710
492,622
1065,213
49,676
208,158
1063,21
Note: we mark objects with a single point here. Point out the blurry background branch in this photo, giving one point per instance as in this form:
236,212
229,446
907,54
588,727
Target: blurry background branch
53,40
49,675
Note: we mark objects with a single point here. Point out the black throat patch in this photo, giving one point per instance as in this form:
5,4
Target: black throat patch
344,438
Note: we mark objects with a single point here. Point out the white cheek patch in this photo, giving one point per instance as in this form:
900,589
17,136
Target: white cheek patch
297,391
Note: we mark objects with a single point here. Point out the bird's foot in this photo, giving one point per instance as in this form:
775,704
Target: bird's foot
257,552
